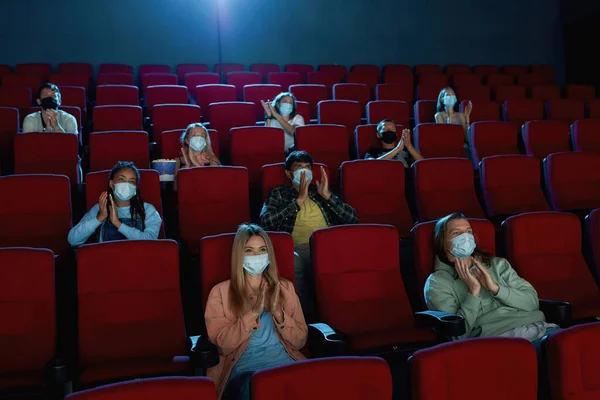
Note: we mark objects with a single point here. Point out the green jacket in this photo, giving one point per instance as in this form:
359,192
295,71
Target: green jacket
515,305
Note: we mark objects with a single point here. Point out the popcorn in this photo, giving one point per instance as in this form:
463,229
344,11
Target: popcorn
166,169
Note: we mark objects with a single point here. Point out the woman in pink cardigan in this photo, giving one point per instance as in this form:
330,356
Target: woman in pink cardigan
254,318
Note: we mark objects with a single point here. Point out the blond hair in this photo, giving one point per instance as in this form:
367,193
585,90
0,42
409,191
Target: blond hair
237,287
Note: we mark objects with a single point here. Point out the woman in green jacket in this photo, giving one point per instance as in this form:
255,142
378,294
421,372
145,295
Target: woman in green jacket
484,290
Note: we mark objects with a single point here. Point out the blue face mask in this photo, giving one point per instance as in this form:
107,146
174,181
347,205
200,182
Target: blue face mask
285,109
255,265
450,100
298,176
463,245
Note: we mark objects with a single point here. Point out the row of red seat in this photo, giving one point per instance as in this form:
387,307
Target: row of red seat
45,70
353,378
510,184
111,287
255,146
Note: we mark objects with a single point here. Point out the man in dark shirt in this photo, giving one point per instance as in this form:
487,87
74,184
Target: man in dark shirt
300,208
392,147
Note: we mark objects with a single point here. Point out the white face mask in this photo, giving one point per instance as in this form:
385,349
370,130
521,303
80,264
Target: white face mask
285,109
450,100
298,175
255,265
197,143
463,245
124,191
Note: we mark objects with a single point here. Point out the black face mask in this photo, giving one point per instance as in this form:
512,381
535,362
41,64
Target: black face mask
388,137
49,103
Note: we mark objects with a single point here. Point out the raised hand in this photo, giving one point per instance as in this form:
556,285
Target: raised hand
485,278
323,185
52,118
102,203
468,109
186,158
275,307
114,213
302,189
406,137
266,107
273,112
462,267
192,157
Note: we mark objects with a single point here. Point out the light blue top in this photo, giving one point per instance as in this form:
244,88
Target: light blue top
264,350
80,233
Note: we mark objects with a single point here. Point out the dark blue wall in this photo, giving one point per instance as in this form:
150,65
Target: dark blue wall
283,31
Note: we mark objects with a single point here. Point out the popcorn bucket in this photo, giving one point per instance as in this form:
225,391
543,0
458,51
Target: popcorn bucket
166,169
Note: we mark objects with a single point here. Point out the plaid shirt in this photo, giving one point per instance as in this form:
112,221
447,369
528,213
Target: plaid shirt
280,209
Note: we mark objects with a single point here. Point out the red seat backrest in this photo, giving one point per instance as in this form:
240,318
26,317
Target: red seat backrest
443,361
573,180
440,140
30,222
437,196
349,378
109,95
27,300
366,186
32,155
208,94
110,118
212,200
492,138
119,303
542,138
227,115
108,148
252,147
511,185
552,240
327,144
174,116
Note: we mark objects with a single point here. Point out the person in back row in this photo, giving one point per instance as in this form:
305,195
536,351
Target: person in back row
300,208
196,148
50,118
447,111
254,318
393,148
484,290
120,213
283,113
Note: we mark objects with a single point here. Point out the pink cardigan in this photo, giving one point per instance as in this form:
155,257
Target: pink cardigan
232,334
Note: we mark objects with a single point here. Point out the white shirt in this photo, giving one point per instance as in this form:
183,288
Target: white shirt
296,121
33,122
